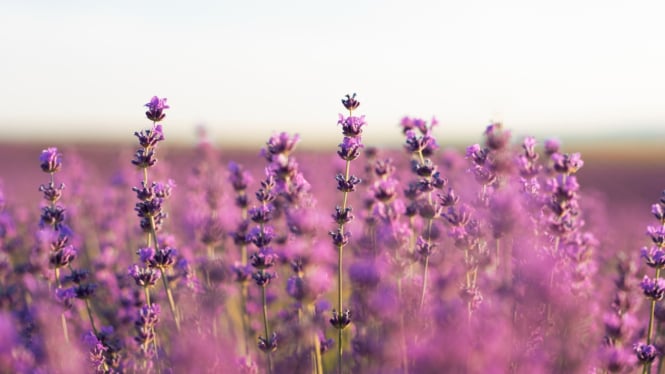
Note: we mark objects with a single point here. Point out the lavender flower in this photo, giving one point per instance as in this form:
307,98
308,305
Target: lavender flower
352,127
280,144
350,102
144,276
156,108
50,160
349,149
654,289
654,256
646,353
144,325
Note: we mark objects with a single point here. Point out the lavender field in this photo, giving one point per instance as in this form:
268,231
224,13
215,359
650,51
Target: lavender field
505,255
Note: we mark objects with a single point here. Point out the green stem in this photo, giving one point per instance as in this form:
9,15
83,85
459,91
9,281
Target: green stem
652,313
424,288
147,296
340,251
63,319
422,293
318,367
265,326
245,322
170,297
65,330
92,321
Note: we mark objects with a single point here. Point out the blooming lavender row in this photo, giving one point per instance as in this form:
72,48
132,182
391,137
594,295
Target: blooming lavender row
486,261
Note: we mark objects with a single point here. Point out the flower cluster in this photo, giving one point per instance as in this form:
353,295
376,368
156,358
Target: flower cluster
492,249
653,288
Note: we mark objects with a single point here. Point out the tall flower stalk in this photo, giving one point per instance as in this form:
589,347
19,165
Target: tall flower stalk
348,151
421,147
264,259
653,288
53,216
62,255
240,179
151,198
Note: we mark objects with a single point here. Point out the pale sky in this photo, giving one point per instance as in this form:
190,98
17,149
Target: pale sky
246,69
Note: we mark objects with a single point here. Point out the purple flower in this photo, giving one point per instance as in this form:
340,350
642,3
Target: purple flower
409,123
145,328
261,237
384,167
423,248
654,256
144,276
342,217
347,185
50,160
529,146
156,108
567,164
52,216
261,214
280,144
448,199
52,193
496,138
97,355
263,259
76,276
238,177
385,190
459,216
146,254
263,278
350,102
163,190
349,149
150,137
657,235
659,212
63,257
340,320
85,290
552,146
162,258
415,144
653,288
646,353
268,344
352,126
339,238
65,295
144,159
241,273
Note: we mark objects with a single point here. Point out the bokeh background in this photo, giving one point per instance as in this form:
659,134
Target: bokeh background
79,70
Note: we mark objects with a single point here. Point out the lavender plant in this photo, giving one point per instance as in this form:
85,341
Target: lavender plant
653,288
509,220
349,150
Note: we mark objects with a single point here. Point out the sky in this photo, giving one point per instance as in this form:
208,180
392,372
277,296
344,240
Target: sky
81,70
